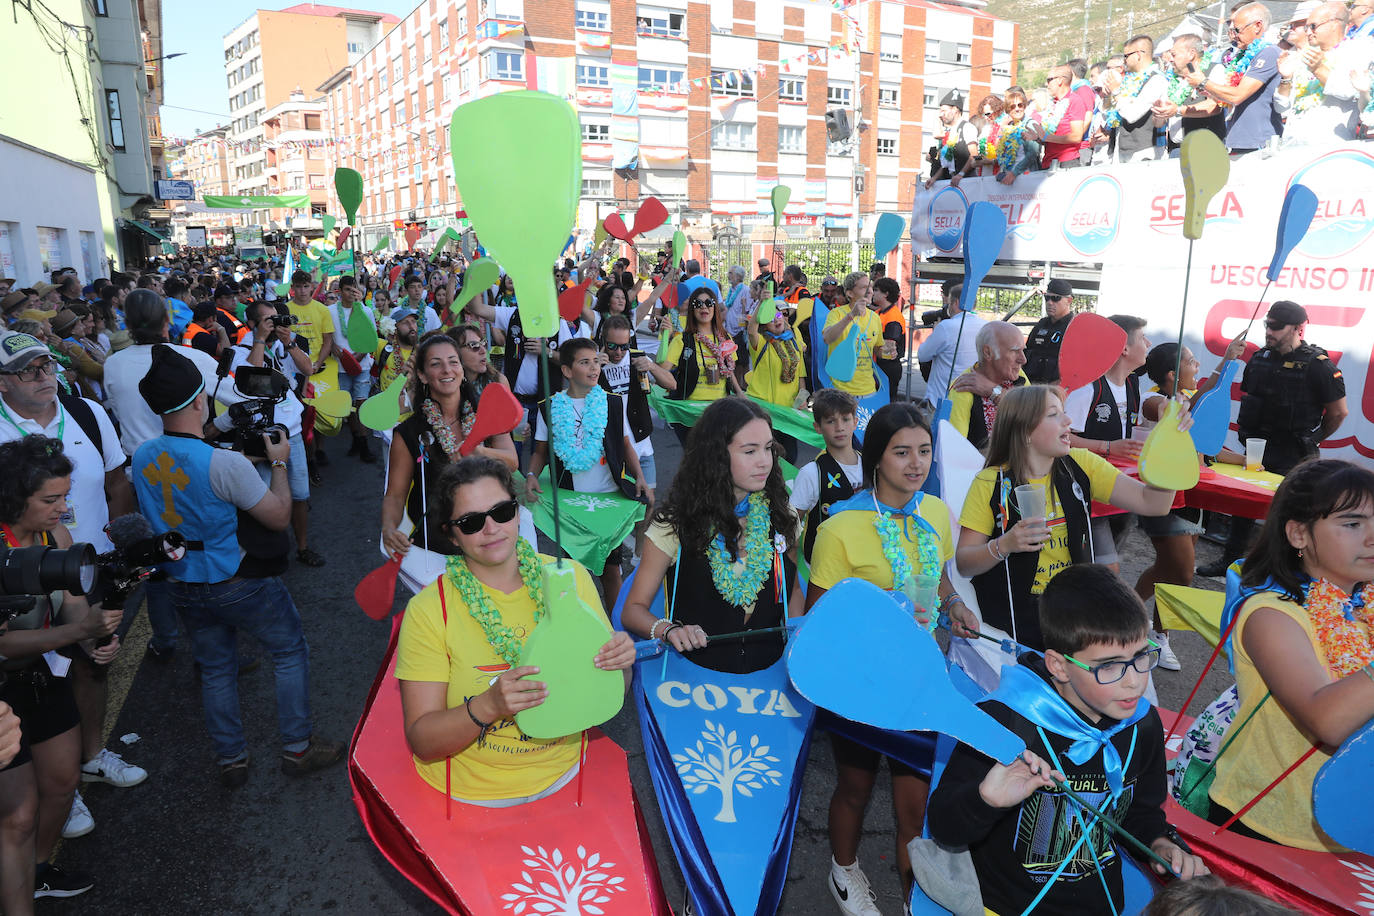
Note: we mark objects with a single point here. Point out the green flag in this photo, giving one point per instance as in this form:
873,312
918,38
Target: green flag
251,201
788,420
592,523
330,262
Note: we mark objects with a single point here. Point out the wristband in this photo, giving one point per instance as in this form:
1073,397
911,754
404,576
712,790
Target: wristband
996,549
278,463
467,704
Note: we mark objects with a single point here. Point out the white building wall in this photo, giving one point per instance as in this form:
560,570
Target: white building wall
56,194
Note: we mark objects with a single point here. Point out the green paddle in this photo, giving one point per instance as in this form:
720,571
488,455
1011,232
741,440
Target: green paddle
679,248
348,184
327,222
382,243
562,646
383,411
449,234
524,223
360,331
781,195
478,278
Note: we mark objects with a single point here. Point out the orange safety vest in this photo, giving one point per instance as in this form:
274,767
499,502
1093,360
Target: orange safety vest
192,330
240,329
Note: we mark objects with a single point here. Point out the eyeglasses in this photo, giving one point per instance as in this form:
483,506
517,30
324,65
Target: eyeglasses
1313,26
1021,107
34,371
1276,325
1110,672
475,345
473,522
615,346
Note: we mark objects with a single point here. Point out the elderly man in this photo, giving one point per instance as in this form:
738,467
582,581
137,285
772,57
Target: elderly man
1316,92
1182,113
973,402
1253,120
1361,22
1063,126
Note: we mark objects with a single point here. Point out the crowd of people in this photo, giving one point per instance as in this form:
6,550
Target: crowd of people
1265,84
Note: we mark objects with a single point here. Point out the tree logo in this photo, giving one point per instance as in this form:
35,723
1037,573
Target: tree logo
719,761
558,886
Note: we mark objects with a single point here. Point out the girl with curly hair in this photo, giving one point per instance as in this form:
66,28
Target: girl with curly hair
722,544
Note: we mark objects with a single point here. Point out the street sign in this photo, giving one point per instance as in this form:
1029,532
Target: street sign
174,190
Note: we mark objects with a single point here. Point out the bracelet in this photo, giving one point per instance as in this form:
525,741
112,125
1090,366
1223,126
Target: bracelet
996,549
654,628
671,627
950,599
278,463
1369,671
467,704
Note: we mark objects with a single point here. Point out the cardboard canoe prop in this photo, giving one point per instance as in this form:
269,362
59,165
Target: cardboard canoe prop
560,854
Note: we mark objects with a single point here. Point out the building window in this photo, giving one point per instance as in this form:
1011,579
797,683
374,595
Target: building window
661,78
596,133
732,135
887,97
400,111
383,81
1001,62
116,119
792,88
504,65
592,20
890,47
838,95
660,23
397,69
732,82
791,139
443,34
596,187
932,49
963,54
101,9
932,95
887,146
355,47
593,75
463,21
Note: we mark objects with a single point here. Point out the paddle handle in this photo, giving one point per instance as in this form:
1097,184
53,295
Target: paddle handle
1116,828
653,648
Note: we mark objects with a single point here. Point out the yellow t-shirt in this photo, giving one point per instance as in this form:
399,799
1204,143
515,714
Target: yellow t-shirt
961,407
313,321
765,377
976,514
1270,744
704,391
504,763
870,336
848,545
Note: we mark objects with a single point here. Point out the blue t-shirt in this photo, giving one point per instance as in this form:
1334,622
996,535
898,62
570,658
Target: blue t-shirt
1254,120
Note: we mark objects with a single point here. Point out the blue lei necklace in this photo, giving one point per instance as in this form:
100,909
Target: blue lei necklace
740,586
579,450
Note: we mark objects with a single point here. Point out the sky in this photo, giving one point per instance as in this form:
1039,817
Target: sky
195,97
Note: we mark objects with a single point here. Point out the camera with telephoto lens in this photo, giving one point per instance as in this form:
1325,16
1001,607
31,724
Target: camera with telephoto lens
264,389
26,572
933,317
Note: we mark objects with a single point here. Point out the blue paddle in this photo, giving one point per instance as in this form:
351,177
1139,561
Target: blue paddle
844,359
1299,206
985,229
1340,794
886,235
1212,413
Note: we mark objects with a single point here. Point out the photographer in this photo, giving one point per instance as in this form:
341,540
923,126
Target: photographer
37,786
271,344
220,588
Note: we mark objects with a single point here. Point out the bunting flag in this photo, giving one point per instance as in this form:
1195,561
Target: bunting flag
289,201
593,524
786,420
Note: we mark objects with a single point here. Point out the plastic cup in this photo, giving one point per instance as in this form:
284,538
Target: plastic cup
1254,454
924,592
1030,500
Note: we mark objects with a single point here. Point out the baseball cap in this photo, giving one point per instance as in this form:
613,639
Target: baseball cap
830,281
401,313
227,289
18,350
1058,287
1287,311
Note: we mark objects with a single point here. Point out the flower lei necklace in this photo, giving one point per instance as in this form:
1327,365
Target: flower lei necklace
1344,625
1236,65
434,416
499,636
1131,84
1307,91
892,537
1056,114
578,449
1008,146
951,140
710,345
739,585
787,355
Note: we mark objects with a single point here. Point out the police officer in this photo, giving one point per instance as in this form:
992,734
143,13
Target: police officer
1042,346
1293,398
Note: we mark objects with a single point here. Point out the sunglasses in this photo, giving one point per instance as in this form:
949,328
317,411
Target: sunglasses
473,522
475,345
703,303
1276,325
615,346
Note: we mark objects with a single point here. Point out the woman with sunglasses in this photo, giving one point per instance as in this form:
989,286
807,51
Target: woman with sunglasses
1017,150
722,545
37,786
445,408
473,621
614,299
477,368
702,358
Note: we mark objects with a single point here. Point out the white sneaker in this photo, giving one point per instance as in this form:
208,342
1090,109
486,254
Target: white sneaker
1167,659
849,886
107,766
79,820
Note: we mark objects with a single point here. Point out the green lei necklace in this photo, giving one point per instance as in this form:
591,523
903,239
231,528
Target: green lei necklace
739,586
892,536
501,637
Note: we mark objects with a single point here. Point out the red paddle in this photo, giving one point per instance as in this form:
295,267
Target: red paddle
1091,345
615,227
343,236
651,215
498,412
391,277
571,300
413,236
377,590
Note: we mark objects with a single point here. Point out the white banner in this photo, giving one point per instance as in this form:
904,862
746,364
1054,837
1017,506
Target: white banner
1129,219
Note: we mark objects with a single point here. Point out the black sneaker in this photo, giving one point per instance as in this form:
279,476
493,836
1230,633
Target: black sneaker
1216,568
234,775
353,449
321,458
365,454
51,881
317,755
161,656
309,557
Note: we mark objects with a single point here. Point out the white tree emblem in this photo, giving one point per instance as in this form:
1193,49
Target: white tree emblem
719,761
558,886
591,503
1365,875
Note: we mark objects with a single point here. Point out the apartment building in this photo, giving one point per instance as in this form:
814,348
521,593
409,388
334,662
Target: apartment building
204,161
705,105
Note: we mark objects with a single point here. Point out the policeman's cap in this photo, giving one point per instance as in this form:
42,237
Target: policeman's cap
1058,288
1287,312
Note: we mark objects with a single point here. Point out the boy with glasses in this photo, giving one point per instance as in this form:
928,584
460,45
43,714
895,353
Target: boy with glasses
1082,712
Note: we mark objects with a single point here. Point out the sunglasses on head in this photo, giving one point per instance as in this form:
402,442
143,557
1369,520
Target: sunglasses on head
473,522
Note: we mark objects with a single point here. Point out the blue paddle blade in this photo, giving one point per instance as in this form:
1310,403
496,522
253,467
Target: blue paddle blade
985,229
844,360
887,672
1212,413
1299,206
887,234
1340,793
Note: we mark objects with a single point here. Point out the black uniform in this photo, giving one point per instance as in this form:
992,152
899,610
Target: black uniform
1284,400
1042,349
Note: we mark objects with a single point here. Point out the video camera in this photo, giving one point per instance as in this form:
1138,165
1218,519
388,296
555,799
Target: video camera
265,388
933,317
26,572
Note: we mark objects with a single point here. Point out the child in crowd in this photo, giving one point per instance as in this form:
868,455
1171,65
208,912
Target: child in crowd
1082,709
837,473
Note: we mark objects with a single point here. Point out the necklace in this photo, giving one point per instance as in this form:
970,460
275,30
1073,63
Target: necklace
1307,91
737,583
1131,85
499,636
577,440
720,359
1007,148
894,539
1344,625
443,430
1051,121
787,353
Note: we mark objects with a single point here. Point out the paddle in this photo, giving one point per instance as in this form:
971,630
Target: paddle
344,233
377,591
572,299
1340,798
327,223
562,647
480,276
382,243
599,235
450,234
336,403
768,310
360,330
1212,412
886,235
985,229
383,411
843,361
412,236
1205,167
1299,206
524,223
348,185
780,196
614,224
1090,346
1168,459
497,412
650,216
679,248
